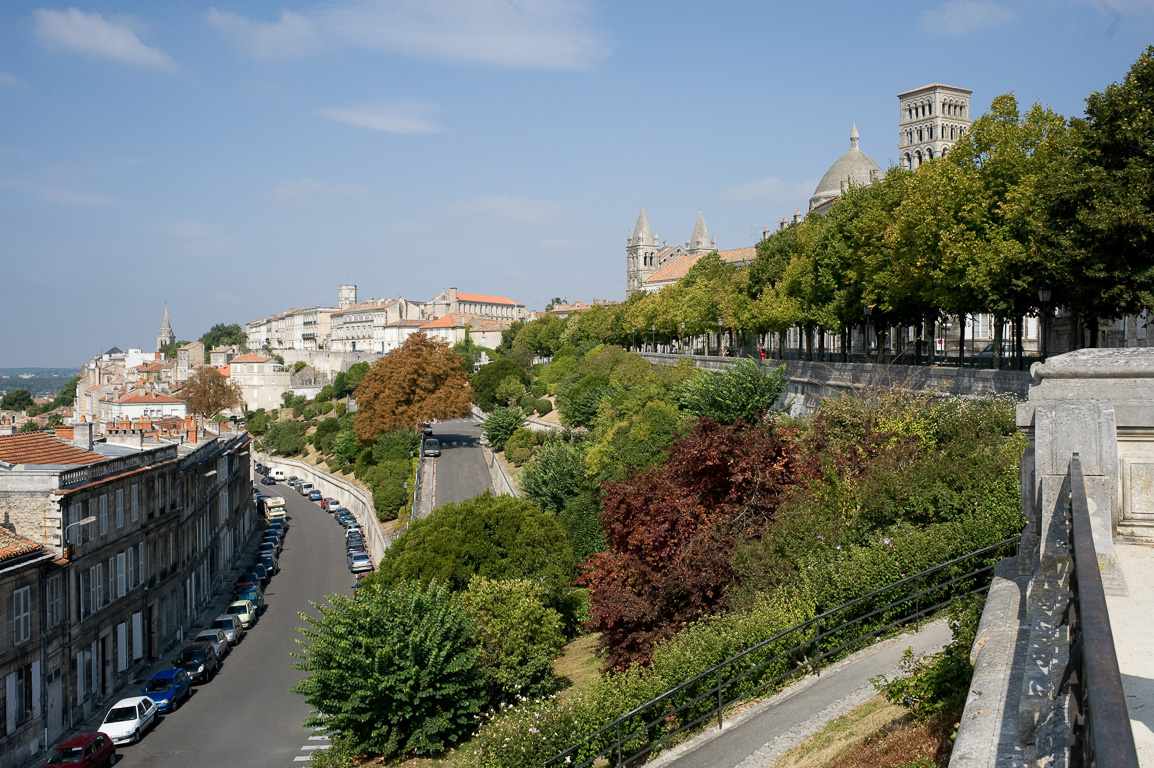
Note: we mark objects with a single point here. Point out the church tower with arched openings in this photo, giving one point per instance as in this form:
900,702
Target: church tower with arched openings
932,120
640,254
166,336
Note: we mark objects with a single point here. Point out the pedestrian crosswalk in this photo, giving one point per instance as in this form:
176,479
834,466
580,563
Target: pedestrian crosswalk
309,749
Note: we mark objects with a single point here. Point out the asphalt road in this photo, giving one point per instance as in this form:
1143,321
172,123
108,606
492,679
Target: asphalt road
461,470
246,715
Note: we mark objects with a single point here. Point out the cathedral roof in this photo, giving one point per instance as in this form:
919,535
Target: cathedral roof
854,167
641,232
700,237
679,267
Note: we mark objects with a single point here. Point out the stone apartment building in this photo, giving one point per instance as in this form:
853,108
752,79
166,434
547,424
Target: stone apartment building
136,534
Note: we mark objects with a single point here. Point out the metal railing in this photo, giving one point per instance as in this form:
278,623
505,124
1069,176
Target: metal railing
1099,719
93,472
636,735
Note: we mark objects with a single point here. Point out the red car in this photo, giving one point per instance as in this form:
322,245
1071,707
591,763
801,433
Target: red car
84,750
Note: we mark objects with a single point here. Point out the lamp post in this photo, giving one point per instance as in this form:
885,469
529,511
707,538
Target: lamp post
653,337
869,310
1044,296
681,338
85,521
720,327
633,334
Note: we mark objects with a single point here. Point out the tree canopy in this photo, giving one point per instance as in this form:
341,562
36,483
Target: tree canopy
208,392
223,335
16,400
420,381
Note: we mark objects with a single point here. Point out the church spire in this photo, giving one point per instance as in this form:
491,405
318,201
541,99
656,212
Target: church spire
698,242
853,137
166,336
642,235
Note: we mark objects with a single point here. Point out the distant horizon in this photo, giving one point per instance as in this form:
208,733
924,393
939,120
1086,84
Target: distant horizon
238,161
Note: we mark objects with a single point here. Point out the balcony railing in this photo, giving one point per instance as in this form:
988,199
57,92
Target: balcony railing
118,466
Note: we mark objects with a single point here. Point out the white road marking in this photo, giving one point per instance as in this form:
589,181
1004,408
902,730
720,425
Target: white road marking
314,746
301,759
319,737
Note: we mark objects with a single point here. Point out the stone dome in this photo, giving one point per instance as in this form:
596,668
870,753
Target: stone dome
854,167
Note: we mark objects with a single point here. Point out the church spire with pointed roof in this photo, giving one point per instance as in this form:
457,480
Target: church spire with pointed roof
640,254
166,336
699,241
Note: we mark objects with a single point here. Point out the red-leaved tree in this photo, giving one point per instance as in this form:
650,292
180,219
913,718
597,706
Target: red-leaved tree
672,529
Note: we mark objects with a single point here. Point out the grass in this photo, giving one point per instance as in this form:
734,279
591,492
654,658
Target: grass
875,735
577,666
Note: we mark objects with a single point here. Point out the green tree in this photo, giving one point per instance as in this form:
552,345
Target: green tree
510,389
16,400
497,537
394,673
517,634
326,434
223,335
286,438
500,424
258,423
489,378
554,475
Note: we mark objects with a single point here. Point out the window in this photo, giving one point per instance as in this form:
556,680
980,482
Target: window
75,515
135,502
21,615
111,579
121,575
119,508
55,602
21,691
104,514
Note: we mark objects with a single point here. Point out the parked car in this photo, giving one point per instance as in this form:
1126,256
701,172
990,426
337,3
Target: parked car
276,541
360,562
266,480
279,522
199,660
270,563
84,750
243,610
128,719
267,548
315,495
217,638
168,688
427,428
243,584
986,356
231,626
261,573
328,503
432,447
254,595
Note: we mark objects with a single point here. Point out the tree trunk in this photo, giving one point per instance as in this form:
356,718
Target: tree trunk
1019,328
1092,326
781,345
821,343
846,335
932,333
998,336
961,340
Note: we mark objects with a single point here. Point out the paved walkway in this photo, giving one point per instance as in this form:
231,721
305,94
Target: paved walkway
1130,620
764,732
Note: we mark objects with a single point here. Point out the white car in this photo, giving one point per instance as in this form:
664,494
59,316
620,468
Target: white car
128,719
218,639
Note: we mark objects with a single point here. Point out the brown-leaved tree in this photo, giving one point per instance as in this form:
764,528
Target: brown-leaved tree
420,381
208,392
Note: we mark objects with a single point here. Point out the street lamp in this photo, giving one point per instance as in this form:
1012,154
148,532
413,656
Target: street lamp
681,338
720,326
1044,296
653,337
633,335
85,521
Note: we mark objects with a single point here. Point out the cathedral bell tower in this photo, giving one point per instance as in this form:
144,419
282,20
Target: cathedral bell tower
166,336
640,255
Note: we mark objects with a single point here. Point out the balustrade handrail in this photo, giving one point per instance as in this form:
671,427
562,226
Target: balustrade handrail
1099,720
808,653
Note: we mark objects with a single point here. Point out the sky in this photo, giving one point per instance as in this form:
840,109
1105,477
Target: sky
235,159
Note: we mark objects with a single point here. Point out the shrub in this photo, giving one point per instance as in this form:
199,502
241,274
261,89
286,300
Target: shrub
581,519
519,456
544,406
522,438
539,388
340,409
327,407
510,390
555,474
517,634
486,381
286,438
743,391
500,425
528,403
396,445
326,434
258,423
394,673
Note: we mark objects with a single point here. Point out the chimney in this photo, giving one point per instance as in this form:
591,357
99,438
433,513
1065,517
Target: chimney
797,217
82,435
192,434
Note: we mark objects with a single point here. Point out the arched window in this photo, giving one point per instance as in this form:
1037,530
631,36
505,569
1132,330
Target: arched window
909,162
920,135
945,151
929,155
919,156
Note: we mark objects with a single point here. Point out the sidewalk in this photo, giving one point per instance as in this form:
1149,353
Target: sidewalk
769,729
220,601
1130,622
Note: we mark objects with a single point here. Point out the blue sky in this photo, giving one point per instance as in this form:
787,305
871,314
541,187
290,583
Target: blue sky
239,158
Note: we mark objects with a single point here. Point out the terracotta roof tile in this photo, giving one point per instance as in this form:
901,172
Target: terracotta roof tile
139,398
14,545
481,299
679,267
38,448
250,357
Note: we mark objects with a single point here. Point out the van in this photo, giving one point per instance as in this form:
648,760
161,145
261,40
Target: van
304,488
277,474
274,508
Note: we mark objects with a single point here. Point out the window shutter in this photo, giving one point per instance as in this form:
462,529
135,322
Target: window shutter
121,647
137,637
35,688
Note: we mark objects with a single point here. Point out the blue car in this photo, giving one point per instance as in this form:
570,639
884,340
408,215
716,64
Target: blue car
315,495
168,688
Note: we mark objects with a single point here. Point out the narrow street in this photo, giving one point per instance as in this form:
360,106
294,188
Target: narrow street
460,471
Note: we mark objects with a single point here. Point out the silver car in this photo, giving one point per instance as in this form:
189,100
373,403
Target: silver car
231,627
218,639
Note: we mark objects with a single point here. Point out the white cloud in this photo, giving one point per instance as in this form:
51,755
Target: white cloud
780,194
55,193
292,190
958,18
8,80
92,34
410,117
292,35
527,34
509,210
